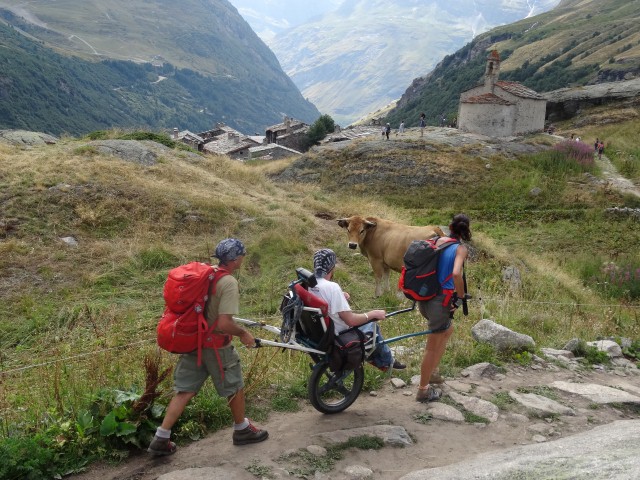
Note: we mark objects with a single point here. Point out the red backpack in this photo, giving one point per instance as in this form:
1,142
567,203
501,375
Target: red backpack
183,327
419,276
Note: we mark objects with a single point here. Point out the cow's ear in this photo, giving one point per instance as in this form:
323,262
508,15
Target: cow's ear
343,223
368,224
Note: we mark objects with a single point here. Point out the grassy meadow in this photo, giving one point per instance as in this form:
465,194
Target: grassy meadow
77,323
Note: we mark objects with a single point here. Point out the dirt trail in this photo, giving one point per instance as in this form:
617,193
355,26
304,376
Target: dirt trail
614,179
436,442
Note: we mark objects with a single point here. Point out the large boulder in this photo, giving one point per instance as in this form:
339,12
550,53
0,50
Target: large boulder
24,138
501,338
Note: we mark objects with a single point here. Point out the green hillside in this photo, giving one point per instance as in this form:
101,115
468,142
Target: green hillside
77,322
43,87
578,43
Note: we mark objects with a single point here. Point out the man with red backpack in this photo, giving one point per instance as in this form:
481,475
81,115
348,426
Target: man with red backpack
221,364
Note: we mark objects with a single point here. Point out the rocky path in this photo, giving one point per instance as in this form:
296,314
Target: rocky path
614,179
485,413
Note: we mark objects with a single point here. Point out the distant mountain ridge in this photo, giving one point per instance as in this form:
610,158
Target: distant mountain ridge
579,42
361,57
216,67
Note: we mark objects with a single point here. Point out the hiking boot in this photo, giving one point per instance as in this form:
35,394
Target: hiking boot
398,365
429,394
436,378
161,446
250,434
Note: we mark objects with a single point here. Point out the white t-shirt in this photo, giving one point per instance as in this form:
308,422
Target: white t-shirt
331,293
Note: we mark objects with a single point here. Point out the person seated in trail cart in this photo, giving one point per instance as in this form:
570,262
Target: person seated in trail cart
324,262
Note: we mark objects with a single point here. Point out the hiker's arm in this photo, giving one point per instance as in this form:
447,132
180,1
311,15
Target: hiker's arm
458,265
356,319
228,326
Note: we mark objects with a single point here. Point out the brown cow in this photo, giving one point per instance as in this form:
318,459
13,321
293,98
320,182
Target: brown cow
384,243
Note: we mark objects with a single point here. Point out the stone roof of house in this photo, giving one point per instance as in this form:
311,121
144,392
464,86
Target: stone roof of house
488,98
518,90
224,145
352,133
190,135
294,124
273,146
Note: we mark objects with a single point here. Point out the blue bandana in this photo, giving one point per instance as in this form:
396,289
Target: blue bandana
229,249
323,262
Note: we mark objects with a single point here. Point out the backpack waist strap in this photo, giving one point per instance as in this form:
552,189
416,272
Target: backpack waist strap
448,293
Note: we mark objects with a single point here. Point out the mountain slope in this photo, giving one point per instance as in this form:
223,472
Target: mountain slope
354,60
243,84
580,42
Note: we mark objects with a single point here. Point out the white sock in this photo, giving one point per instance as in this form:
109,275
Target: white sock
162,433
241,426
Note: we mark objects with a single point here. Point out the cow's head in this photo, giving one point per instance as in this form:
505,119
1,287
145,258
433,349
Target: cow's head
357,228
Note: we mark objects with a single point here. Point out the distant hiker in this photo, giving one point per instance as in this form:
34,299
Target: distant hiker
572,136
401,128
383,131
577,139
595,145
600,149
387,130
439,310
443,120
422,124
222,364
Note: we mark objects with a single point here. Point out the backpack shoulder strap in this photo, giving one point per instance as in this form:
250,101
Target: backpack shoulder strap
447,243
218,273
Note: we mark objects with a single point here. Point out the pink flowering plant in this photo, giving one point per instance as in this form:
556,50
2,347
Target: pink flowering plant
618,281
566,158
578,152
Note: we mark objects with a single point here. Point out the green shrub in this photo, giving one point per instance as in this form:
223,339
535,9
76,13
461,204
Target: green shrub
596,357
31,458
162,138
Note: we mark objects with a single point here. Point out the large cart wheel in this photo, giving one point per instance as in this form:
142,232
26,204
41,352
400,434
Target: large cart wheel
331,392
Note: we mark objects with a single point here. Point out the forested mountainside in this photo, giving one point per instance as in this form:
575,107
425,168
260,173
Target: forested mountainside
74,66
580,42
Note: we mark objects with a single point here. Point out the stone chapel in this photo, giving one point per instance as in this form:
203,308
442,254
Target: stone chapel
498,108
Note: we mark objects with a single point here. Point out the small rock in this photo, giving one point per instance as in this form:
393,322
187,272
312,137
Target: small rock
72,242
373,393
358,471
538,439
317,450
398,382
609,346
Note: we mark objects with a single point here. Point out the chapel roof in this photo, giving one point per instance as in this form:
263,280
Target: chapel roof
487,98
518,90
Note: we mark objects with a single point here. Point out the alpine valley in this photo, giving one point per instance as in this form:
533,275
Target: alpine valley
73,66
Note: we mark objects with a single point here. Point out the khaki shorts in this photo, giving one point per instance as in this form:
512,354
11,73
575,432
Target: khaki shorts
436,314
189,377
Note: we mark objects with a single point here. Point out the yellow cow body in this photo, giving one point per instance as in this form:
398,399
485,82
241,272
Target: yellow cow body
384,243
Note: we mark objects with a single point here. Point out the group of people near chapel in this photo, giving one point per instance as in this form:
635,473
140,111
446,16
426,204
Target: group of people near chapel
223,364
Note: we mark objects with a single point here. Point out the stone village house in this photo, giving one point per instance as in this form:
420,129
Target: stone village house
281,140
498,108
290,133
220,140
